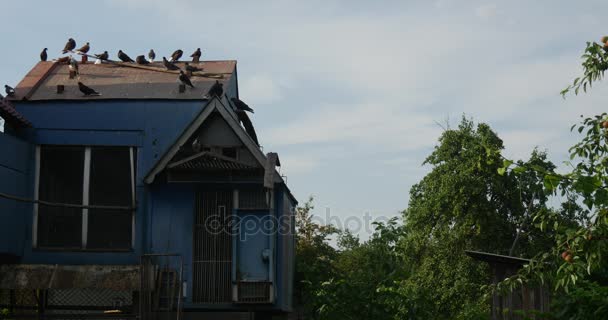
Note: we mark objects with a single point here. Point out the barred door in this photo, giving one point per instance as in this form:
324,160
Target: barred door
212,263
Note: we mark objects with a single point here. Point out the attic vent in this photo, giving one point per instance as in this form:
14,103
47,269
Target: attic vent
60,88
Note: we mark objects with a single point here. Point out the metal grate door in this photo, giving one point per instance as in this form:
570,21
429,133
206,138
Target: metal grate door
212,264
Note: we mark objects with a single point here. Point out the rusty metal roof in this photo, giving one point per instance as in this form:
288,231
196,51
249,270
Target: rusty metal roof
117,80
8,112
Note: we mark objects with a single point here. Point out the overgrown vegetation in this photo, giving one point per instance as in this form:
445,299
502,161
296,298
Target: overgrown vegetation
415,267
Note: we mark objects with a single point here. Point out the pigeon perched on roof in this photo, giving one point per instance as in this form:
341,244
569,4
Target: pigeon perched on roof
191,68
196,55
141,60
124,57
74,65
216,90
10,91
87,91
151,55
69,46
183,78
102,56
240,105
84,49
176,55
244,119
43,55
169,65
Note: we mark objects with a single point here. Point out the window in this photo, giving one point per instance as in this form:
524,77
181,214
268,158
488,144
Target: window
102,176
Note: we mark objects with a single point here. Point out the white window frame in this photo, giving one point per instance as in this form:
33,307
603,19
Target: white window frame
85,197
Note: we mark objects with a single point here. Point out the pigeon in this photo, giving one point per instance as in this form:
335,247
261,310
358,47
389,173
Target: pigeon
240,105
248,126
43,55
183,78
69,46
73,65
151,55
124,57
141,60
176,55
102,56
196,55
84,49
216,90
87,91
10,91
169,65
191,68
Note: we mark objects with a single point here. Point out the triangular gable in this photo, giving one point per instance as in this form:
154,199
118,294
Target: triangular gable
224,109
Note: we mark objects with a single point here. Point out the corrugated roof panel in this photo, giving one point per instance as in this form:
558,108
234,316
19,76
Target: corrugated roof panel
8,112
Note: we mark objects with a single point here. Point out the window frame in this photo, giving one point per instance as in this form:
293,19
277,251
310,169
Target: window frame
85,201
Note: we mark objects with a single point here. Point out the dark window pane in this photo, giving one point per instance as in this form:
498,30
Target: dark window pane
61,178
110,185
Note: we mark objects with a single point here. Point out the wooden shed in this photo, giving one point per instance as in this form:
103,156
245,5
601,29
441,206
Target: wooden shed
528,300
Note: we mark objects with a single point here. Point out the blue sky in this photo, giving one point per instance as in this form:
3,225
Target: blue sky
349,92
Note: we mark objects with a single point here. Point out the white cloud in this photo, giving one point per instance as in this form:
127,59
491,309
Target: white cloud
259,89
486,11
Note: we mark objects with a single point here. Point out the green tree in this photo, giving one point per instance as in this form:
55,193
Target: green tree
463,203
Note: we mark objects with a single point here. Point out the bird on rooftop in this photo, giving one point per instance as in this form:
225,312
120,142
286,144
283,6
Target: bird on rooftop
191,68
73,65
244,119
151,55
176,55
69,46
240,105
124,57
183,78
196,55
169,65
86,90
10,91
102,56
141,59
84,49
216,90
43,55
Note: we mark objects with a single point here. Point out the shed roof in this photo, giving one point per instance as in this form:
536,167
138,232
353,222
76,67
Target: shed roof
118,80
496,258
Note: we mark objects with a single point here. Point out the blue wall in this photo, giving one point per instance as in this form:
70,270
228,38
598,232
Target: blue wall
14,177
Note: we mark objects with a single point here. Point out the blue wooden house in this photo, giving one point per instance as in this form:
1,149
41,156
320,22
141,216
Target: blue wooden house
150,199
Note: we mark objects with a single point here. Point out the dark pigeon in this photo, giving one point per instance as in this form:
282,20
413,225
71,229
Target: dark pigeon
169,65
124,57
183,78
196,56
240,105
87,91
216,90
102,56
244,119
43,55
69,46
191,68
176,55
10,91
151,55
141,60
84,49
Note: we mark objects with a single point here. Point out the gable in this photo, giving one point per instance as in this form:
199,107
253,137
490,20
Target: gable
215,107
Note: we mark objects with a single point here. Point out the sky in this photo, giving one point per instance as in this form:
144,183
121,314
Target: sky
353,95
